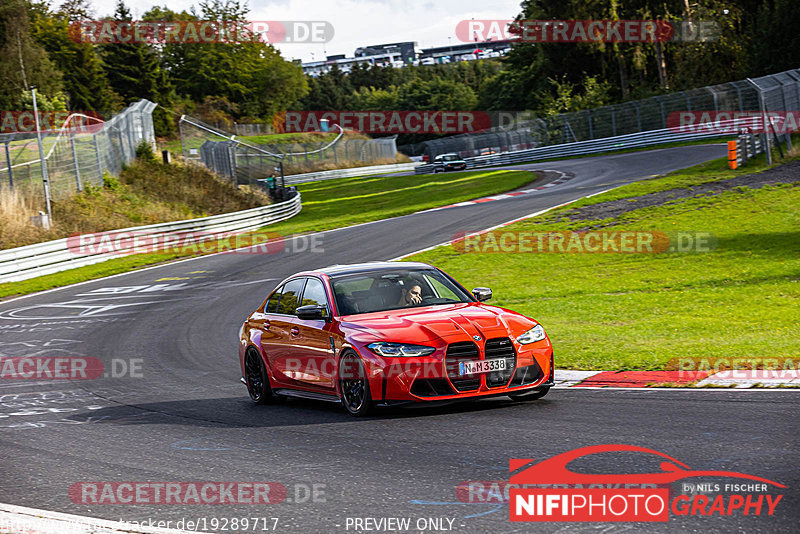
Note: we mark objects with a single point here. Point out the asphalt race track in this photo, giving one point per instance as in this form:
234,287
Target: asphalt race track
179,412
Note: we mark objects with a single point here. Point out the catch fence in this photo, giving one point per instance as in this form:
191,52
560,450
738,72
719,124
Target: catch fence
74,155
772,93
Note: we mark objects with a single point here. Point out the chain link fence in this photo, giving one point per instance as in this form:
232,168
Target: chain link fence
248,164
252,129
772,93
308,157
74,157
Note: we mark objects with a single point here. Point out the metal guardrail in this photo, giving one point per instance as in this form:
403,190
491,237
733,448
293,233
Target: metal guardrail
348,173
54,256
748,146
580,148
525,130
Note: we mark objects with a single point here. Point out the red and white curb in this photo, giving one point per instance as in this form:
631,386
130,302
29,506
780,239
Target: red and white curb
730,378
21,520
559,181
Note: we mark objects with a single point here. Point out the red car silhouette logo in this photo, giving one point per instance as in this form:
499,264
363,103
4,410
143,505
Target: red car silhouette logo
554,470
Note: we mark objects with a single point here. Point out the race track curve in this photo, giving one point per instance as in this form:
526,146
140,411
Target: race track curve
184,415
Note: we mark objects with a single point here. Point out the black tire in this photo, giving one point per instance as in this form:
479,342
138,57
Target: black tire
354,385
255,375
530,395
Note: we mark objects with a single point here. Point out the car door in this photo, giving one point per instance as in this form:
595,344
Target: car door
313,341
280,331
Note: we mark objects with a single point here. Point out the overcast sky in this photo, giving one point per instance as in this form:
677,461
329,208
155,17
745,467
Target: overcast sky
355,22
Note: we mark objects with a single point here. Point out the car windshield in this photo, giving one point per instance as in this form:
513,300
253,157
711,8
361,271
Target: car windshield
390,290
450,157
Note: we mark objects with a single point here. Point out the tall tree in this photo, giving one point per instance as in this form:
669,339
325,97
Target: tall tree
23,63
134,72
247,72
84,79
76,10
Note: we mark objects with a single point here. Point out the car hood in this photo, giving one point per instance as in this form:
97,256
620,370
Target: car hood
431,323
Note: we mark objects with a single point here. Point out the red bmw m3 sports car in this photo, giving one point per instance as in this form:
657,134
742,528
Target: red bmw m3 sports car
387,333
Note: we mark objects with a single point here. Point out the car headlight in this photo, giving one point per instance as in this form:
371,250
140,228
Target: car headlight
532,336
385,348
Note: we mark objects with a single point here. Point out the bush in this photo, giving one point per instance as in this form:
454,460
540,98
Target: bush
144,151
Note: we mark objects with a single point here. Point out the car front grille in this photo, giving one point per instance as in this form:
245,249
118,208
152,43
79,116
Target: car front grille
462,352
496,349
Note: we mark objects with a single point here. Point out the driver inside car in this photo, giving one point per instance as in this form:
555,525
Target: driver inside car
411,296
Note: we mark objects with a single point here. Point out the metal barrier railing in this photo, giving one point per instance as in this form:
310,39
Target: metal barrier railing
598,146
772,93
54,256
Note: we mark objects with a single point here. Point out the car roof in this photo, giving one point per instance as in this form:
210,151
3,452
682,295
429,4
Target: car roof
340,270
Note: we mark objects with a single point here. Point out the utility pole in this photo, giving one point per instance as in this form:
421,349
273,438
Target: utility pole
42,161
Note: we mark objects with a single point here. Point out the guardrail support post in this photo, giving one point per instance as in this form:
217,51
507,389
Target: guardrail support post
42,160
75,162
180,132
763,118
8,166
97,157
589,123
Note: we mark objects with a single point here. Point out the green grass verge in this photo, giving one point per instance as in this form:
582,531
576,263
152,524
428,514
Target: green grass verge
336,203
326,205
639,311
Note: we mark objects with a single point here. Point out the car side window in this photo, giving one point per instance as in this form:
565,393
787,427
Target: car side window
272,304
314,293
291,293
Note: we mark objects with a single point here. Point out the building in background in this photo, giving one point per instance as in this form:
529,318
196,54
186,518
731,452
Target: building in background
406,53
464,52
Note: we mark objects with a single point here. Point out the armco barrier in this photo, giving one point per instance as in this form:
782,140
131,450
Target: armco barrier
348,173
54,256
595,146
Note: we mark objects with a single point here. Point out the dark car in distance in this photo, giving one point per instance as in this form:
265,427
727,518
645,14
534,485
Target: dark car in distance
448,162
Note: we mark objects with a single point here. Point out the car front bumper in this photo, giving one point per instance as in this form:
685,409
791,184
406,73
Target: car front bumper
435,378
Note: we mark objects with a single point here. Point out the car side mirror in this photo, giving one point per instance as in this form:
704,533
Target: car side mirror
312,312
482,293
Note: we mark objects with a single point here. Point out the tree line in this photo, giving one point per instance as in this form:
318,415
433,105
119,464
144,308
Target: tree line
251,81
246,80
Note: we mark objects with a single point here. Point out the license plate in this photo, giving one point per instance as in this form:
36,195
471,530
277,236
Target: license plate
481,366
